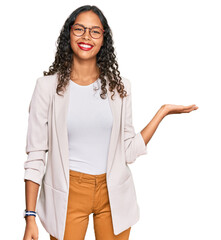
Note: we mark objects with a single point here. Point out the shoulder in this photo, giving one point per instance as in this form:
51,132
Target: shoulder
47,84
127,83
47,81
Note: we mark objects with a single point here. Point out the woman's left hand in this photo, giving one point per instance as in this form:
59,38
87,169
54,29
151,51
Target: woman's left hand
173,109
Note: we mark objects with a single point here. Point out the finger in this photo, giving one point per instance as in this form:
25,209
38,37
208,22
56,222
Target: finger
189,107
187,111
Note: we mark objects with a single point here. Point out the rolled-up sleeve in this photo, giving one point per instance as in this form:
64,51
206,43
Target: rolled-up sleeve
133,142
37,134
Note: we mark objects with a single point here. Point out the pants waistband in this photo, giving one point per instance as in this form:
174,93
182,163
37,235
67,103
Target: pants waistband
97,178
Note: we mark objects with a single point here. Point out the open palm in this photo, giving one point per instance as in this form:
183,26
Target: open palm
173,109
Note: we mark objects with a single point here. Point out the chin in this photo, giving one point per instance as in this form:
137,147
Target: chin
84,56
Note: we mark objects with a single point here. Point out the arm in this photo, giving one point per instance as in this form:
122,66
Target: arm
36,145
36,148
31,194
151,127
37,134
134,144
165,110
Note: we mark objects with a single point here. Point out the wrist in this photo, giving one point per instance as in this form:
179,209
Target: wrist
30,219
30,214
163,111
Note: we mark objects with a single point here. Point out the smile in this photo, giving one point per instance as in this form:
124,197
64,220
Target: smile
85,47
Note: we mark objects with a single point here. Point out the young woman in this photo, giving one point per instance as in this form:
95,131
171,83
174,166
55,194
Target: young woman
88,135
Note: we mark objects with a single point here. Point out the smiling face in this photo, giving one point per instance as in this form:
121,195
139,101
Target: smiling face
88,19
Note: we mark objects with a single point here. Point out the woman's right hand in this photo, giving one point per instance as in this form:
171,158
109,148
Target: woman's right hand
31,229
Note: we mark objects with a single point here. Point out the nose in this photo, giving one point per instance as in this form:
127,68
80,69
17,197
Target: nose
87,34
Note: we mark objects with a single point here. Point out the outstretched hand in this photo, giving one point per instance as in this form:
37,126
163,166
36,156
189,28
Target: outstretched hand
164,110
173,109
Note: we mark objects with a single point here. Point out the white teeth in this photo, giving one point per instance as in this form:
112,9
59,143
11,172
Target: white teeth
86,46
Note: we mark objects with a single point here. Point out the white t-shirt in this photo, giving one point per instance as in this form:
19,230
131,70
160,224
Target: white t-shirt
89,126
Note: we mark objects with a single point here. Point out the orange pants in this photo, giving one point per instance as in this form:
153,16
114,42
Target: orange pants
88,194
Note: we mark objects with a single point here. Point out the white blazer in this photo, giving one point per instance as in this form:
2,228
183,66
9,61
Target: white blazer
47,133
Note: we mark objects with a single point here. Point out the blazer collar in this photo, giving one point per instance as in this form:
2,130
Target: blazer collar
61,104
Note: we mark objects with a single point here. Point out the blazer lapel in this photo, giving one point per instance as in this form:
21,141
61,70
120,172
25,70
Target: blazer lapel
61,111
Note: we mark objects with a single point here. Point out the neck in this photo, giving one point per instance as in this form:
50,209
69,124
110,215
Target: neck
84,70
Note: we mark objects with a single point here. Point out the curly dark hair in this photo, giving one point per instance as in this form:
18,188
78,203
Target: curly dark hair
106,58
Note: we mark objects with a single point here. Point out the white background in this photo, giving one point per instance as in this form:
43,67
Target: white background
174,58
